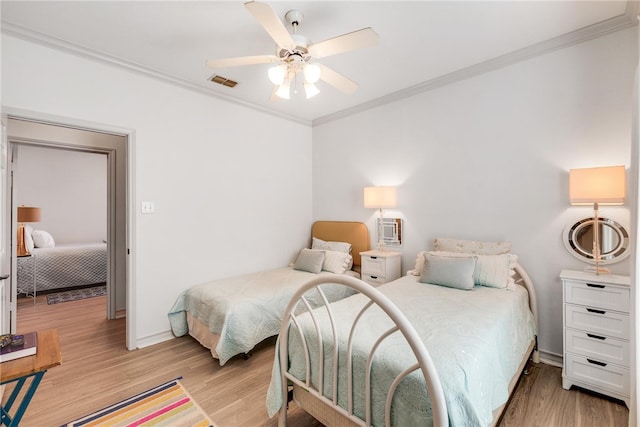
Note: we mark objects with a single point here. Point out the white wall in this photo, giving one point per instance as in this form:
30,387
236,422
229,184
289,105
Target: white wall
231,193
488,158
70,188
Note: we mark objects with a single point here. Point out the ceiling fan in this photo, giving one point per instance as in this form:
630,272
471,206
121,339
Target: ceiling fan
295,53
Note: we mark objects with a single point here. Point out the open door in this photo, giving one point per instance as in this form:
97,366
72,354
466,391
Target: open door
6,310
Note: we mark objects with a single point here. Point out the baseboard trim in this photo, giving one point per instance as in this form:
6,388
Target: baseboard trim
154,339
549,358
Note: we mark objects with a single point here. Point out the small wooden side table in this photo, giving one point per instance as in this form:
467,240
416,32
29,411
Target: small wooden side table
19,370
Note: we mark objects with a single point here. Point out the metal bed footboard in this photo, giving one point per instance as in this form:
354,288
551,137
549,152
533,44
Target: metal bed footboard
401,325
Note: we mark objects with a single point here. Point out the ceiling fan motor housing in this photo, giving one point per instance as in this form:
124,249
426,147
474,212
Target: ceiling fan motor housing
299,54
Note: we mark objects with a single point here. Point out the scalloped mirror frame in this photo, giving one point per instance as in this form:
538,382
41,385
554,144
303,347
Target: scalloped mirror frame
612,250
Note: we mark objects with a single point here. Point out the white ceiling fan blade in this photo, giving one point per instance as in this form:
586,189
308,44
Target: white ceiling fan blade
267,17
242,60
337,80
356,40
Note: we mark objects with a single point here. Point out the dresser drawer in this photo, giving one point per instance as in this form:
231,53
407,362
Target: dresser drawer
374,266
600,347
597,295
597,373
597,321
373,280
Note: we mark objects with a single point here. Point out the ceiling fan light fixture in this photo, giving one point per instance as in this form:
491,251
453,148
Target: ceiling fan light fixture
311,73
284,90
277,74
310,89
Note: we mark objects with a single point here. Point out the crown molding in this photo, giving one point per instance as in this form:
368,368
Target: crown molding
81,51
617,23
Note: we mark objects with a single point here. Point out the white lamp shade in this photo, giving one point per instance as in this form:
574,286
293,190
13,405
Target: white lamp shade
380,197
276,74
311,73
602,185
284,90
310,89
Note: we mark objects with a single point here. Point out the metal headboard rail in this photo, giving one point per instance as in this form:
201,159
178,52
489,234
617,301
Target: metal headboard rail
424,361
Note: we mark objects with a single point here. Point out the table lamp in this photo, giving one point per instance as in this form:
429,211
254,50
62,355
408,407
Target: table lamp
597,186
380,198
25,214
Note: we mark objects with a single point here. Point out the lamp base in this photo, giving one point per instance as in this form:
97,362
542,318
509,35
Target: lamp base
22,246
597,270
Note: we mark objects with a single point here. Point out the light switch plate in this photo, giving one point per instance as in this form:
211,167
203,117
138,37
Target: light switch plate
148,207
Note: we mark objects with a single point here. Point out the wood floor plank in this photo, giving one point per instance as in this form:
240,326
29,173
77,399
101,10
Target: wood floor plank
97,371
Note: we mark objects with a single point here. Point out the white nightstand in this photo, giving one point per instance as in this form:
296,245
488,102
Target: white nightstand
380,267
596,333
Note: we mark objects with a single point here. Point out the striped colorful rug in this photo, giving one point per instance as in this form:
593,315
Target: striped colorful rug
168,404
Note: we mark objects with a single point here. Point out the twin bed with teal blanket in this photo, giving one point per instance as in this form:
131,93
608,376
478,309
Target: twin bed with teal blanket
230,316
470,347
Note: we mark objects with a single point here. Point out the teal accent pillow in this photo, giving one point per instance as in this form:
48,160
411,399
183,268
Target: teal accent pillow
453,272
309,260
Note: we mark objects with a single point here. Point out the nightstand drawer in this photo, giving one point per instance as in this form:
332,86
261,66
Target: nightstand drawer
374,266
597,321
374,280
597,295
597,373
600,347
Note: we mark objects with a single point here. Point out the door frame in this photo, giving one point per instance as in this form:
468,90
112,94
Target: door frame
127,253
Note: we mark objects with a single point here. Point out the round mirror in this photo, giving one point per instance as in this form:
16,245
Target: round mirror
614,240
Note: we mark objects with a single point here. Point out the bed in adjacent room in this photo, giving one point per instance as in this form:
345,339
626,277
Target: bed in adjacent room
449,340
62,266
231,316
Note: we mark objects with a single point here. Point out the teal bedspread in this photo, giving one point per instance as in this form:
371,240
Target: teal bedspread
476,338
243,310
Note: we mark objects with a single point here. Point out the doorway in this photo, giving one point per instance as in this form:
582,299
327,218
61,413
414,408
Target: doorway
25,132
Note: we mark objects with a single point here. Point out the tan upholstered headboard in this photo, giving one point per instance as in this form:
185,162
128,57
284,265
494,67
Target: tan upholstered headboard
353,232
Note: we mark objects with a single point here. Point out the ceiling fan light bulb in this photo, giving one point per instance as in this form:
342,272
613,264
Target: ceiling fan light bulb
310,89
283,91
311,73
276,74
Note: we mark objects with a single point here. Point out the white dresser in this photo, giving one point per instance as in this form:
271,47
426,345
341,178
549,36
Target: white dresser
380,267
596,326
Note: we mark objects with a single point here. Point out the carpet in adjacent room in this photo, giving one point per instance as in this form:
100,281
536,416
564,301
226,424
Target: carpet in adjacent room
76,294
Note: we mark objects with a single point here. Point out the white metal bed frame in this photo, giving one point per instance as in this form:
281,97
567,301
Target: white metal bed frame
341,416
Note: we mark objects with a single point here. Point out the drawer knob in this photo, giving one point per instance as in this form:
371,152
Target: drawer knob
374,257
595,362
593,310
593,285
598,337
374,277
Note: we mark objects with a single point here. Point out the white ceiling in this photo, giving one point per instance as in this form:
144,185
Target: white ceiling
422,43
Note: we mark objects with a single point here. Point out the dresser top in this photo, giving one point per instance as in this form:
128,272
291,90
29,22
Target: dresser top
382,254
611,279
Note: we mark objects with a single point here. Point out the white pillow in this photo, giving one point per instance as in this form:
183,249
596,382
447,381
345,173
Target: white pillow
42,239
309,260
337,262
28,239
331,246
494,271
451,271
471,246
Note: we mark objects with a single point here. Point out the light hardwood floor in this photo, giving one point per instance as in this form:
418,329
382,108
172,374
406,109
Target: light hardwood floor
97,371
